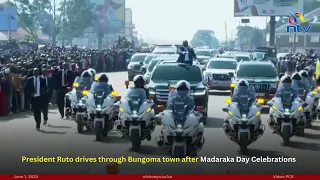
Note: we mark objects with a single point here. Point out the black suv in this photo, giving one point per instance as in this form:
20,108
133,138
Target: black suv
167,73
261,74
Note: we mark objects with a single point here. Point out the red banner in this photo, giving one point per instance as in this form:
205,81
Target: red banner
172,176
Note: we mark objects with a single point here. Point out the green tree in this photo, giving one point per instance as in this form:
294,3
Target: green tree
76,16
248,34
204,38
28,13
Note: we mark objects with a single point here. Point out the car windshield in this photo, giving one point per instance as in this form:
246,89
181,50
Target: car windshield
242,58
259,55
152,65
148,59
203,53
214,52
138,58
222,65
164,52
176,73
256,71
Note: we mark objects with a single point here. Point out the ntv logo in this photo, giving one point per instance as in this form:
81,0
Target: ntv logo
293,21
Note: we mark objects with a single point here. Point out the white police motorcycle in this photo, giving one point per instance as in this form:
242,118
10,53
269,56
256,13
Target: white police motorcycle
310,102
136,117
287,116
182,130
243,124
77,99
101,109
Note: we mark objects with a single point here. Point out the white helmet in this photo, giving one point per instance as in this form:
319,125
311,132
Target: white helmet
93,72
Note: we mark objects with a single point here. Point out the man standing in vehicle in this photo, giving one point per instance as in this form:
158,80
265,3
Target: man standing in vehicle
186,54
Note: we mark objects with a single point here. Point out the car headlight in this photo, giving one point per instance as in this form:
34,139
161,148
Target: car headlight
209,77
130,66
152,92
199,92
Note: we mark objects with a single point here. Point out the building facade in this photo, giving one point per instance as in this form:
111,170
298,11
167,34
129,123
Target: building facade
299,42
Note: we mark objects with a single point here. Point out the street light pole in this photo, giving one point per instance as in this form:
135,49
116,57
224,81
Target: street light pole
9,25
54,24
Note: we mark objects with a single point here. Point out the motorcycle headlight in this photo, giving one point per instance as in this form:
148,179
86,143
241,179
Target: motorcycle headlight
98,110
314,92
149,109
233,85
274,108
300,108
258,113
230,113
121,110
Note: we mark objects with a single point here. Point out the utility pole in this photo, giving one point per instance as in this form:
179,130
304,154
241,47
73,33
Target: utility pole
294,42
272,29
9,24
226,31
54,24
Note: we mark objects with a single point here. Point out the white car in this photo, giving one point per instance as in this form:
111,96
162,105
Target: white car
217,74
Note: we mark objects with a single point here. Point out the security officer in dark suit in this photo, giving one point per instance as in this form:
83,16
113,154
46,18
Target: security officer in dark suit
48,94
36,89
64,78
186,54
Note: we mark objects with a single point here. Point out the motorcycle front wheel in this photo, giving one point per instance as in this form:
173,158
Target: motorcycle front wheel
98,130
244,143
80,125
135,140
286,135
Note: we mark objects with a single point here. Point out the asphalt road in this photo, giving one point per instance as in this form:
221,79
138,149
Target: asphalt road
59,138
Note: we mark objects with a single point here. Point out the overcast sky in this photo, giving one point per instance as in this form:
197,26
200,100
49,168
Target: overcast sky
176,20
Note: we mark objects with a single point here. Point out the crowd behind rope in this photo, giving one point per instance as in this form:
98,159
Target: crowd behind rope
17,61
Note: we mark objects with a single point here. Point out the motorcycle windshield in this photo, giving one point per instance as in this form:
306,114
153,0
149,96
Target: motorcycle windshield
244,104
245,96
135,98
83,84
181,104
100,90
298,85
287,99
